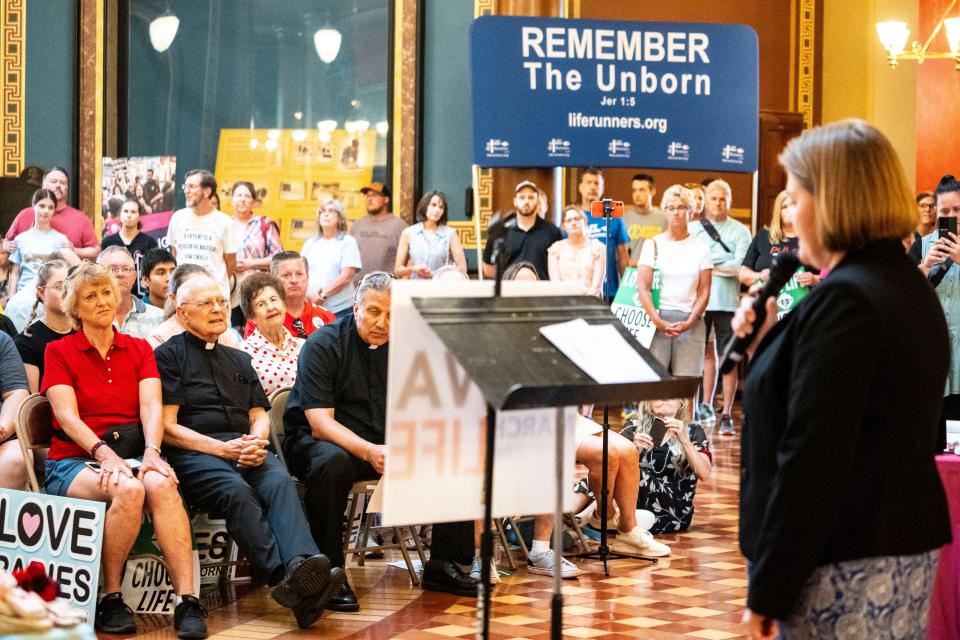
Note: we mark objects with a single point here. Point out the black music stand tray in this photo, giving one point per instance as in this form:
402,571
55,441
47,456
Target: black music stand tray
498,343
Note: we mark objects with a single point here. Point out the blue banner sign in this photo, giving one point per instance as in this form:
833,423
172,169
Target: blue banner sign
669,95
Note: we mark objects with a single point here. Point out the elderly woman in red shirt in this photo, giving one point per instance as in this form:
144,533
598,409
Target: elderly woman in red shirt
98,381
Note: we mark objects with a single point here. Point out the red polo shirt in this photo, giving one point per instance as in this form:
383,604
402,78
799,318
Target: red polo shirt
107,389
313,317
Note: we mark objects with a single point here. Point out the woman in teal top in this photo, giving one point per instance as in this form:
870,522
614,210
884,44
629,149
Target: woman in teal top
941,254
431,243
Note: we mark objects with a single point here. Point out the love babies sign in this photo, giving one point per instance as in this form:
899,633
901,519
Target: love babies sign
63,533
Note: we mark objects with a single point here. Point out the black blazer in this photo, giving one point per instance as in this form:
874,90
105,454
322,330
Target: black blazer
842,404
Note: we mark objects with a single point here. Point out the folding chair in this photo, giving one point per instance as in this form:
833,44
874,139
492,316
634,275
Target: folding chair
278,404
359,491
357,497
34,427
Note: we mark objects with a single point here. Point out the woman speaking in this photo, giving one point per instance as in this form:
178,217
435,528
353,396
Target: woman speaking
842,513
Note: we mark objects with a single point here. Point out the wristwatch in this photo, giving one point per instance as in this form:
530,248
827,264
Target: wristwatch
152,446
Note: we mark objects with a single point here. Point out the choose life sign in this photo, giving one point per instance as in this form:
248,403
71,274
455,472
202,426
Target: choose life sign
668,95
631,314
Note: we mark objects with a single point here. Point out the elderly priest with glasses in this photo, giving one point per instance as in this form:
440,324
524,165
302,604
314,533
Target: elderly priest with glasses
215,435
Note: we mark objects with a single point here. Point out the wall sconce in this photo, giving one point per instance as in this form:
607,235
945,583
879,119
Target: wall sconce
162,32
327,42
894,35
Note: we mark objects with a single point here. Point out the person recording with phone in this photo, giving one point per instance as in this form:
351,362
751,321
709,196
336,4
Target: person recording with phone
940,251
617,250
674,456
842,511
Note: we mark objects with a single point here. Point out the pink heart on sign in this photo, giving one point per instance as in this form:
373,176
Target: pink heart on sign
30,524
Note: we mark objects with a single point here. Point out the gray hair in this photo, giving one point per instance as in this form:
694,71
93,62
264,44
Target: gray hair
181,274
724,186
373,281
450,272
679,191
111,250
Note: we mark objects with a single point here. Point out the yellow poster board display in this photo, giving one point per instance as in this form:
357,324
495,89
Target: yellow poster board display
294,171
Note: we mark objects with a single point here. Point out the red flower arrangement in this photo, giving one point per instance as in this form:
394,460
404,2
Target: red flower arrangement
34,578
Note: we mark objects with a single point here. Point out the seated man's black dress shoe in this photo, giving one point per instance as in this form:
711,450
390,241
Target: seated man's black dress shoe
344,599
444,575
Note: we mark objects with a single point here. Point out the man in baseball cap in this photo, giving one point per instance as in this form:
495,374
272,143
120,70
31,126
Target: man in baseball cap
378,232
526,235
376,187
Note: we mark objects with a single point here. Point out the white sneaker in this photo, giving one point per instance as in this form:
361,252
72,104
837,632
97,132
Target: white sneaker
639,542
543,564
613,519
476,566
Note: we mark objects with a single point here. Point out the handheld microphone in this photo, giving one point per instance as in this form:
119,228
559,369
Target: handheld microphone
782,269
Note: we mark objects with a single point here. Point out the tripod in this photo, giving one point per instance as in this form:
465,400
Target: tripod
603,551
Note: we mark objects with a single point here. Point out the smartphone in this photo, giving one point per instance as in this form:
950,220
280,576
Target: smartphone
616,208
947,224
658,431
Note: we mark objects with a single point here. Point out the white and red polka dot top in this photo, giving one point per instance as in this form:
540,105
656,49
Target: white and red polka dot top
277,368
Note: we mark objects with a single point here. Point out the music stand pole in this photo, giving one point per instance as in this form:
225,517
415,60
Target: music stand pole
486,538
603,551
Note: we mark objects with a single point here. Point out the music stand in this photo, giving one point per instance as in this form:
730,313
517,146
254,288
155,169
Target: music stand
515,367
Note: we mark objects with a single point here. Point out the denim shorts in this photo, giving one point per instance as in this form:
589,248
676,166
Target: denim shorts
60,474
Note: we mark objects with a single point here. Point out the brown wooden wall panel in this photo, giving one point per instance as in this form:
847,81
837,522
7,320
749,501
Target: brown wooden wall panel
771,19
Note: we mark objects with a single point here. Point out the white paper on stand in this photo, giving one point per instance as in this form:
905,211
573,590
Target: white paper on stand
600,351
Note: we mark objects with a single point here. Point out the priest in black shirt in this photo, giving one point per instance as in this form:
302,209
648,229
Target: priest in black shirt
216,431
335,422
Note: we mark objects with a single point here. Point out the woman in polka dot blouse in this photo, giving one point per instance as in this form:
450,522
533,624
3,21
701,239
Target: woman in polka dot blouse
273,349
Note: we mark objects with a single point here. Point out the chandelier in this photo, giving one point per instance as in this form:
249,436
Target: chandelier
894,34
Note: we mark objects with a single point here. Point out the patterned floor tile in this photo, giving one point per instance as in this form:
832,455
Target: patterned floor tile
697,592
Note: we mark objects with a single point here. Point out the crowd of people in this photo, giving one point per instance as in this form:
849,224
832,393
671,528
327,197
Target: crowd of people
143,351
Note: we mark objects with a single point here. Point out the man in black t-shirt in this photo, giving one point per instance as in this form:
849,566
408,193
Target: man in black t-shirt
216,431
335,422
526,235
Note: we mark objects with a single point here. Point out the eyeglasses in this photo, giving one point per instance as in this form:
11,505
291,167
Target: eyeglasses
207,305
924,205
680,208
948,210
298,327
189,187
117,270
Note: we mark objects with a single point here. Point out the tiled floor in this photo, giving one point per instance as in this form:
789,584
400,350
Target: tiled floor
698,592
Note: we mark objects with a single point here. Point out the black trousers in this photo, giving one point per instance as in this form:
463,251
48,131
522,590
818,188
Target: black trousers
261,505
328,471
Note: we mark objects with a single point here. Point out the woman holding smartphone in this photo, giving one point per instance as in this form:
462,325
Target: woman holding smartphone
674,456
941,264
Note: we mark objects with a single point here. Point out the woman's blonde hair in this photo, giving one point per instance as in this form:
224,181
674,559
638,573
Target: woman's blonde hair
861,192
775,227
86,273
679,191
644,422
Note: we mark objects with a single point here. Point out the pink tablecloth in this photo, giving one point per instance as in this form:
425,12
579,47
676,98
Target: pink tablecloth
945,601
